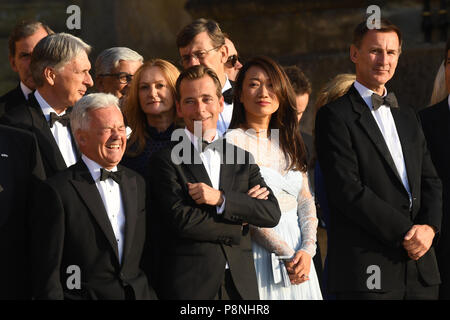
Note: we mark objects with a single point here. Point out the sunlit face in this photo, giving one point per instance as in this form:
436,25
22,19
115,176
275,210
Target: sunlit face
111,83
447,73
20,62
258,96
105,139
203,47
71,82
230,70
155,96
302,103
199,102
376,59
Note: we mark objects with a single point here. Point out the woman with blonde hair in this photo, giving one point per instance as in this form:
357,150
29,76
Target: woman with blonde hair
150,112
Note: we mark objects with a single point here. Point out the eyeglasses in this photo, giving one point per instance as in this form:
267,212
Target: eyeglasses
232,60
122,76
197,55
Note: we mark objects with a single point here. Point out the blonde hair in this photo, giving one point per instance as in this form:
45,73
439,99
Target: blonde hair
335,88
135,117
440,87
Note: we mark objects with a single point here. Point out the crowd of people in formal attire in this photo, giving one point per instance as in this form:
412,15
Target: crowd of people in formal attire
149,181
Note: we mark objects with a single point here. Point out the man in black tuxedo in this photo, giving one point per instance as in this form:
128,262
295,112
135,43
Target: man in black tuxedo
20,167
436,127
22,40
383,191
202,42
88,226
60,69
202,207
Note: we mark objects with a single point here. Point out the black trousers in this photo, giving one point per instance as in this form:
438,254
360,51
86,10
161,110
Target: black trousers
227,290
415,289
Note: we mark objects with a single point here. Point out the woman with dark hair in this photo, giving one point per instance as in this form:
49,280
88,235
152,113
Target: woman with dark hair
265,123
150,112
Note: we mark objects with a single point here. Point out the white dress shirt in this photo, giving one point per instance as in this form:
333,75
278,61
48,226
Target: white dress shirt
60,133
112,200
448,99
386,123
225,116
25,90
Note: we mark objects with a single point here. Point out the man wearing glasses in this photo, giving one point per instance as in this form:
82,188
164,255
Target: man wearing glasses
114,70
202,42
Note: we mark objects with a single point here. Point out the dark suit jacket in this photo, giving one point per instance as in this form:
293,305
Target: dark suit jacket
369,206
71,227
194,241
30,117
20,166
436,127
11,99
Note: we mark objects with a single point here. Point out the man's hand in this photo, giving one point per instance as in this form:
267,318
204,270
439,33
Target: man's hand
201,193
418,240
258,192
299,267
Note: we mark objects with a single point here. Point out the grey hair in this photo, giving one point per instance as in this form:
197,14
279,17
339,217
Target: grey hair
79,117
55,51
110,58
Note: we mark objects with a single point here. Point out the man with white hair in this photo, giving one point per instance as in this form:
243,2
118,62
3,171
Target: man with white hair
114,70
60,69
88,223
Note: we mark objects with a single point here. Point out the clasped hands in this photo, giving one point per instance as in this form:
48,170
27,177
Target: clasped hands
418,240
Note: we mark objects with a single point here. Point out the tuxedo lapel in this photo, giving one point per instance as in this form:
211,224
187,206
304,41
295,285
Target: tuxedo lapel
193,163
370,126
86,188
128,189
227,169
409,152
47,143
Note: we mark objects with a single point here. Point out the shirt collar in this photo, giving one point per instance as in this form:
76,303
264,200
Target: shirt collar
25,90
227,85
194,139
94,167
366,93
46,108
448,99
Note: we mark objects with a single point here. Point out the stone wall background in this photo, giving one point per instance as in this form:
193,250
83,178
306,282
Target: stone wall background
313,34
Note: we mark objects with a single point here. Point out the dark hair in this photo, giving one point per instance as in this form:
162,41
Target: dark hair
385,26
284,119
300,83
189,32
22,30
198,72
447,47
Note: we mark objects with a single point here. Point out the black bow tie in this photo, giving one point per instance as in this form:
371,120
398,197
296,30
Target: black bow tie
64,119
105,174
390,100
205,144
228,96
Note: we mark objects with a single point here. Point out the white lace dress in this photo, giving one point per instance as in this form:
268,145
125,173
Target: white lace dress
297,227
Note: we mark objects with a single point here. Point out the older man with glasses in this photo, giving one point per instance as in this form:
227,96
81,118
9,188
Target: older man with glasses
202,42
114,70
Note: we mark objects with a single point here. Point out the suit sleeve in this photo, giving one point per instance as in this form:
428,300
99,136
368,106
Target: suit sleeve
430,211
188,220
242,208
47,242
345,190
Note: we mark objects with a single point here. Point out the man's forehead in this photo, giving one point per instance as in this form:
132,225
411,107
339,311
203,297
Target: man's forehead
200,42
204,86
